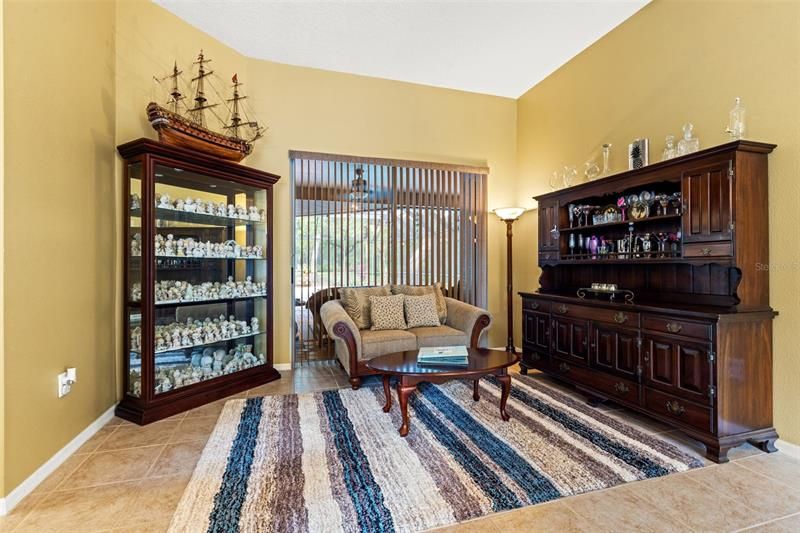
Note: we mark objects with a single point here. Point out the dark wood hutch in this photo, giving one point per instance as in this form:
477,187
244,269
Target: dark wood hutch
197,306
694,347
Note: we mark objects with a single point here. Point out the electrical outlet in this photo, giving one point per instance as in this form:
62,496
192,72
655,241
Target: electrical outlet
66,380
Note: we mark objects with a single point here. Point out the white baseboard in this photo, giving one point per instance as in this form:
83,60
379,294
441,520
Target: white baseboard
282,366
26,487
792,450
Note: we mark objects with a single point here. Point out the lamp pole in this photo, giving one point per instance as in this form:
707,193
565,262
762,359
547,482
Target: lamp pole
509,215
509,288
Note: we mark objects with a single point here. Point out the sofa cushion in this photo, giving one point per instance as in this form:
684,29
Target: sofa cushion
355,301
421,311
440,336
387,312
375,343
419,290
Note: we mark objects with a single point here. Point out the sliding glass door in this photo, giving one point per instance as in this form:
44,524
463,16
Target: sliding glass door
365,221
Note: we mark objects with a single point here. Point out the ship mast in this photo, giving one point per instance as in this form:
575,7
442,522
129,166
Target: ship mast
196,114
175,93
236,119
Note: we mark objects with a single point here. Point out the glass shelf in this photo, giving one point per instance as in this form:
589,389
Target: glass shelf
656,218
185,303
173,215
190,346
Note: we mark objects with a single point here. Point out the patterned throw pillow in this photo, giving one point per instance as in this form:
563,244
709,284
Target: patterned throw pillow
387,312
419,290
421,311
356,302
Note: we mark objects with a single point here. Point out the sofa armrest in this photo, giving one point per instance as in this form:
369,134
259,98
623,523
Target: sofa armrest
343,331
469,319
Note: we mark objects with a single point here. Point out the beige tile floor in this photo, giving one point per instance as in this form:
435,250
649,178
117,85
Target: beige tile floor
130,478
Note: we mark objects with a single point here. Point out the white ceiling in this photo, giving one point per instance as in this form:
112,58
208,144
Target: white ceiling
500,48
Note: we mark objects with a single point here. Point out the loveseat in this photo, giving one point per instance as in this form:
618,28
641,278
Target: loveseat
465,325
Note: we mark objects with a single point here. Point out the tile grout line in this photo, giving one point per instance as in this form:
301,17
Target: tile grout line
768,522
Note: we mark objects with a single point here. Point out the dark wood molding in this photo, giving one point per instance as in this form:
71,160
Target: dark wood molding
143,146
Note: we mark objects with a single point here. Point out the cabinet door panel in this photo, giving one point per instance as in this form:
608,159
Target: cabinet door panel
605,348
678,366
542,331
571,339
528,328
660,360
693,369
627,361
548,221
707,198
580,341
615,350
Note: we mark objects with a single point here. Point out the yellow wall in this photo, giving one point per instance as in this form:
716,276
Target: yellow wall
317,110
59,220
671,63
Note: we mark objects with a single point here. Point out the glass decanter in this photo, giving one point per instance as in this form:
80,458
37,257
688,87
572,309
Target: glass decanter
689,143
669,149
736,120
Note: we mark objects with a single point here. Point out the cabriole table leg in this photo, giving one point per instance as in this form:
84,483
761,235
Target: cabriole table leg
387,391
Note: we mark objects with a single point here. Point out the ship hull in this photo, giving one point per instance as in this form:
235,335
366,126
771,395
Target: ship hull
177,131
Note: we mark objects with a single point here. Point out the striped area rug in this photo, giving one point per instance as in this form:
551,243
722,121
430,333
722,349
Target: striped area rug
334,461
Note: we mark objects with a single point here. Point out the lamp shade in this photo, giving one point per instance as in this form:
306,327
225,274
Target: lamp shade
509,213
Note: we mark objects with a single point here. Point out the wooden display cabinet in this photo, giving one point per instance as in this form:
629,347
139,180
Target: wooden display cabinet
198,280
694,347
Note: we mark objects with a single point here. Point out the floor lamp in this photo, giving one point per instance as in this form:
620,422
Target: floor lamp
509,215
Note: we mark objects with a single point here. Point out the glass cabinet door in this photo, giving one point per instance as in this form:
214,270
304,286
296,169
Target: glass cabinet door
134,280
210,300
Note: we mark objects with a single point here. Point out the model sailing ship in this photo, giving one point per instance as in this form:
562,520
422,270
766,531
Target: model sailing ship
180,125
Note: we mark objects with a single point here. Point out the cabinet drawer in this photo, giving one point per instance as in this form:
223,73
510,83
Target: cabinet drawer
534,359
606,384
708,249
679,409
686,328
621,317
542,306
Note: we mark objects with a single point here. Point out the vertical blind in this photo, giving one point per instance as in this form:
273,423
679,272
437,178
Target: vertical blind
367,221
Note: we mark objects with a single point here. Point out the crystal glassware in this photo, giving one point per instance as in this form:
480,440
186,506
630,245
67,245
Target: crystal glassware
669,149
570,176
555,180
689,144
572,244
736,120
570,213
592,170
587,210
606,158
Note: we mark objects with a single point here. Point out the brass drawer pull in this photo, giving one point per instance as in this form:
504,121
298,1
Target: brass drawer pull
675,408
620,317
672,327
621,388
705,251
561,309
535,305
564,367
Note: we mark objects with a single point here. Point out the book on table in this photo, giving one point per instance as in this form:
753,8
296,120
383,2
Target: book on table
443,355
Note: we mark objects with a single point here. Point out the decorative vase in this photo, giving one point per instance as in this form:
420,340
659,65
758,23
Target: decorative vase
606,158
593,243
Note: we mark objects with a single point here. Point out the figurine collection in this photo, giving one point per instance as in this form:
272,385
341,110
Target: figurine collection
202,365
196,205
169,246
173,291
178,335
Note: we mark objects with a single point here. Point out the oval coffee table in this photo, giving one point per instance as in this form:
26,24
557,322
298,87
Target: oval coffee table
482,362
